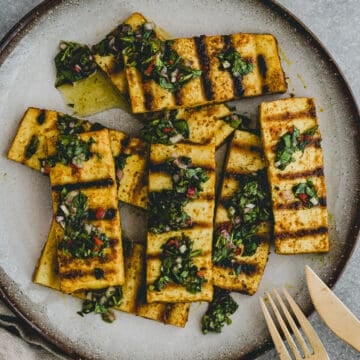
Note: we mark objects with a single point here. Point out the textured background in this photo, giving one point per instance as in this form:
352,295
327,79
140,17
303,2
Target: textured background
336,23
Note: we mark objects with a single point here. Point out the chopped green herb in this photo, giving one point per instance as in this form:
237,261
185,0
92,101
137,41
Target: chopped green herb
219,311
290,143
306,193
177,265
74,62
100,302
166,129
156,60
71,150
68,125
247,208
231,60
166,212
120,162
32,147
81,240
237,121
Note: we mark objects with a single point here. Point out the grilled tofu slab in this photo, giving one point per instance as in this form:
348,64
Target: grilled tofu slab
215,83
297,180
46,274
241,271
91,191
197,228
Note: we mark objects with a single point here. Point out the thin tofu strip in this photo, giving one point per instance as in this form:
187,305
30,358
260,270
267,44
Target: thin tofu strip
291,140
46,274
180,222
242,268
93,259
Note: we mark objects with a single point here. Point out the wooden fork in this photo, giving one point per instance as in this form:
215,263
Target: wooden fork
317,352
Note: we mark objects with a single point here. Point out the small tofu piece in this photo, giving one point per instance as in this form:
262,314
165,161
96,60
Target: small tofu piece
200,210
298,228
95,180
215,85
111,63
245,157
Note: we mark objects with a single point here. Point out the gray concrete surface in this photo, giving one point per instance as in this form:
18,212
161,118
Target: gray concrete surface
336,23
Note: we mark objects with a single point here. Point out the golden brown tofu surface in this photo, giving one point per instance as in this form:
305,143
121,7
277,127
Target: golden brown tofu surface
298,187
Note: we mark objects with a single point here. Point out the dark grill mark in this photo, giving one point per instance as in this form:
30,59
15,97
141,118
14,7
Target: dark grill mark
287,116
238,86
84,185
248,148
148,99
205,66
178,98
41,117
318,172
109,214
301,233
71,274
262,65
296,205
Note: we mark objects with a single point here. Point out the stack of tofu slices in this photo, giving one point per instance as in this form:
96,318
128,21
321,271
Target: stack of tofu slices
272,185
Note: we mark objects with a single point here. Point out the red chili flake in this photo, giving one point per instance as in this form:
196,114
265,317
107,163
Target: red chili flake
100,213
77,68
238,251
201,273
226,226
74,168
191,192
151,66
98,242
303,197
46,169
291,130
167,130
308,138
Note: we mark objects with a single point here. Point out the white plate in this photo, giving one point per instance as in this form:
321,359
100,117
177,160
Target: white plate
27,78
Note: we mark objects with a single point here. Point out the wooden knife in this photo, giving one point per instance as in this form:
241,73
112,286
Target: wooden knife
333,312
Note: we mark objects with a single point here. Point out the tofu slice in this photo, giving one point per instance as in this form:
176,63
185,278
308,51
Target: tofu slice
245,156
215,85
201,211
297,228
95,180
46,274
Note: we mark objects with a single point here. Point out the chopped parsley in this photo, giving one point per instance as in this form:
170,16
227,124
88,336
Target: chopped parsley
68,125
231,60
237,121
73,62
306,193
71,150
177,265
219,311
101,302
166,208
81,239
247,208
32,147
166,129
166,212
290,143
120,162
156,60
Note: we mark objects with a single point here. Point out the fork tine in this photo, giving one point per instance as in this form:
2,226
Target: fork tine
284,328
292,324
306,326
279,344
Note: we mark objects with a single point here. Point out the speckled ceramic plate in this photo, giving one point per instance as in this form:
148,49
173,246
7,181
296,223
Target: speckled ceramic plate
27,78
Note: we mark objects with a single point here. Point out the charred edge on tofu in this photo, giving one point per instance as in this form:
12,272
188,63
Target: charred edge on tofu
301,233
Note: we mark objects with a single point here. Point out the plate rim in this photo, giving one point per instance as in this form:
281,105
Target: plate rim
18,31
